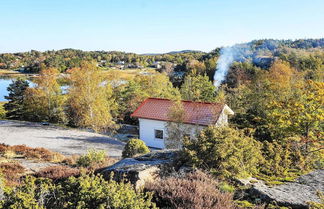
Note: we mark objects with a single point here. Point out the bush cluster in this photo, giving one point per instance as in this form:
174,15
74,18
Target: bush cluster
11,172
57,172
92,158
289,158
86,191
225,152
195,190
135,147
30,153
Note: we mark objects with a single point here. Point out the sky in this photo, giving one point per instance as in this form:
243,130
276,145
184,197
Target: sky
153,26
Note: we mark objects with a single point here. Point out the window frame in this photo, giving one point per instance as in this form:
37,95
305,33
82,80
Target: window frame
155,134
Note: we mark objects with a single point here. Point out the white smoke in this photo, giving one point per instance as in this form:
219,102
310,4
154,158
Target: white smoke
245,52
223,64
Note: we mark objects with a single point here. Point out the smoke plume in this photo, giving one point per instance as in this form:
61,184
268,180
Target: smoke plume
223,64
258,52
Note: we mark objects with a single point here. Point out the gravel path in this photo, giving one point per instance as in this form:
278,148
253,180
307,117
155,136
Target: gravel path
62,140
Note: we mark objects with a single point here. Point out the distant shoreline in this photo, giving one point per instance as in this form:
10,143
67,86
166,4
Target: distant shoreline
14,73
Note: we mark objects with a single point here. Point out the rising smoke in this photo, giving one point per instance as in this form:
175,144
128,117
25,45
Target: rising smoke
251,52
223,64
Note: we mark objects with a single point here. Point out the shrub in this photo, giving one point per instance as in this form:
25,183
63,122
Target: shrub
134,147
32,193
9,154
71,160
12,172
91,191
57,172
19,149
225,187
32,153
3,148
86,191
224,151
2,111
92,158
289,158
195,190
39,153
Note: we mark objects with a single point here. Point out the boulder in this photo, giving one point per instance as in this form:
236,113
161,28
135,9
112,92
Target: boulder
293,194
140,169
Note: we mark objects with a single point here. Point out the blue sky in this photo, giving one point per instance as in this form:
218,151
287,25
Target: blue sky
147,26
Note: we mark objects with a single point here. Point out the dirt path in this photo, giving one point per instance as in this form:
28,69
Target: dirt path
65,141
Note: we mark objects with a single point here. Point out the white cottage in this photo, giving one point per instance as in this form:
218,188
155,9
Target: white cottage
153,118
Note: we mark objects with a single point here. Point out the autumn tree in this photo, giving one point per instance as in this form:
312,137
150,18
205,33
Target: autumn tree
129,96
250,100
90,99
300,115
15,108
176,129
45,101
198,88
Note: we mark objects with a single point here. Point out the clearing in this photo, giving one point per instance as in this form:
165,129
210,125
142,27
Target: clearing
67,141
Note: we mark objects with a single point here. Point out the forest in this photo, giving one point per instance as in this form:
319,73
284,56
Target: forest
275,88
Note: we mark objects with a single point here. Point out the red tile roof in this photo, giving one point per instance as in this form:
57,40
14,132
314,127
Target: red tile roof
200,113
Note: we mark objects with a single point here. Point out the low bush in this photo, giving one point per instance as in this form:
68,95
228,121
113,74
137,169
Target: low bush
92,158
226,152
135,147
195,190
43,154
57,172
86,191
225,187
30,153
11,171
71,160
9,154
92,191
287,159
19,149
3,148
31,193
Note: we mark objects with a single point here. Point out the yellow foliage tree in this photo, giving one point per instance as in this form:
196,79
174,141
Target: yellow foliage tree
300,115
90,98
45,101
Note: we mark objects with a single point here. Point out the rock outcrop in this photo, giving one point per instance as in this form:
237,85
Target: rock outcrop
141,169
294,194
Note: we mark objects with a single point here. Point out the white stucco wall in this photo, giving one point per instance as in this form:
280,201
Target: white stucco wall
147,134
147,127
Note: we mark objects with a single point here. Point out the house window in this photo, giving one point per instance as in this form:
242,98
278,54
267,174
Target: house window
158,134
